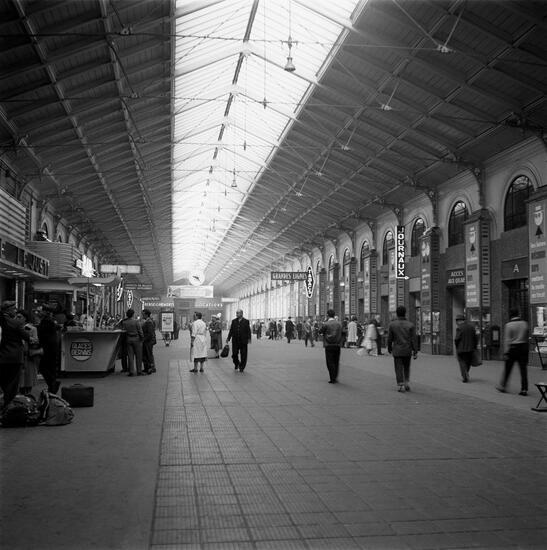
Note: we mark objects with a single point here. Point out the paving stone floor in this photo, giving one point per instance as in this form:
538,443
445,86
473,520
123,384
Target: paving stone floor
277,458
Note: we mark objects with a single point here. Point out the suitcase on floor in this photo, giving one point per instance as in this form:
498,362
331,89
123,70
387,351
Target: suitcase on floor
78,395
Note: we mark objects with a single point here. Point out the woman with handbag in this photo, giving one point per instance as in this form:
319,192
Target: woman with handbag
32,352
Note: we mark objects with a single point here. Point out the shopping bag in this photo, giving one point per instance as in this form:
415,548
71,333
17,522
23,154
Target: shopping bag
225,351
476,358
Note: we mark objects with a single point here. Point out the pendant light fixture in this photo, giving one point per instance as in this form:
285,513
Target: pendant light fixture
289,66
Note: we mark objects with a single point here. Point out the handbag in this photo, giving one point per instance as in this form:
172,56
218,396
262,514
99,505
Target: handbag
476,358
225,351
35,352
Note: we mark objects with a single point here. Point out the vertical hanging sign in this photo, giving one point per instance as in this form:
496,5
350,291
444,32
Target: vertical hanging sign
310,282
472,273
400,252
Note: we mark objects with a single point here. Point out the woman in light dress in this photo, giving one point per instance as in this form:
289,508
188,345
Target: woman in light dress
198,342
370,337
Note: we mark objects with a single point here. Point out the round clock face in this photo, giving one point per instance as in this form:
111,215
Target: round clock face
197,278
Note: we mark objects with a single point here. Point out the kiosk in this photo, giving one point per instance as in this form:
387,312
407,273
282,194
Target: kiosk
92,350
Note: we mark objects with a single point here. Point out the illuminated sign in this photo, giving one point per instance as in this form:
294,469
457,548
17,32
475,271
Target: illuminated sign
108,268
85,265
400,252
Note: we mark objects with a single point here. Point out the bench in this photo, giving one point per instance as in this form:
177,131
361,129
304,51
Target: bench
542,387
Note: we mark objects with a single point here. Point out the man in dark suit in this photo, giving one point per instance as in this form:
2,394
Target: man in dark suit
240,334
466,341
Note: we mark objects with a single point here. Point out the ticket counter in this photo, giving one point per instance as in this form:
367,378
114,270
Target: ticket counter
89,351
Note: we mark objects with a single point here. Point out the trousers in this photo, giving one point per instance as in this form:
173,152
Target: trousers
332,356
402,369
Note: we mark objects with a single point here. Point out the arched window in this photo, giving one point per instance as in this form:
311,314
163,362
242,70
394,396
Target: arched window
388,243
455,223
417,231
514,213
365,249
345,263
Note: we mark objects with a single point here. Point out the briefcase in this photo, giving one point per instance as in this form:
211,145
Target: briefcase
78,395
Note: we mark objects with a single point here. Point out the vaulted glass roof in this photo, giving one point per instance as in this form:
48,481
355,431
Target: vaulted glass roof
235,98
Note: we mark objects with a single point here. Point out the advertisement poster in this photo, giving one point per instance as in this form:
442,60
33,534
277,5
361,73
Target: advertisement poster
366,285
167,321
392,283
472,280
538,252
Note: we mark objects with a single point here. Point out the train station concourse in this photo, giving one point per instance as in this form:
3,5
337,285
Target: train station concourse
166,161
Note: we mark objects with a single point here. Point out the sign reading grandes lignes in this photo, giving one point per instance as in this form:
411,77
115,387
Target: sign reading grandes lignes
289,275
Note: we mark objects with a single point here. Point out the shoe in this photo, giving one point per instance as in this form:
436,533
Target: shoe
193,370
236,367
401,388
200,370
333,381
465,380
501,389
241,369
130,374
142,374
217,356
523,392
407,387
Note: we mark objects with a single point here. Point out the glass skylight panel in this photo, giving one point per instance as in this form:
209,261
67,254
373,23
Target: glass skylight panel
250,107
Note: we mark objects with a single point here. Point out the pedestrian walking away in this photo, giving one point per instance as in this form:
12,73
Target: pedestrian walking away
332,342
198,343
289,330
465,341
515,347
401,343
240,334
308,333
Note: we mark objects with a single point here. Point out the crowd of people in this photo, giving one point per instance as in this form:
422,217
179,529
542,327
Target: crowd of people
368,334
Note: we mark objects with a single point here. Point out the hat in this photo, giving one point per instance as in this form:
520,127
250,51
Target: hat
7,304
460,317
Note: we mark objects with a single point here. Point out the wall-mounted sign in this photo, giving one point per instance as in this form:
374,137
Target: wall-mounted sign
138,286
109,268
538,252
400,252
129,298
189,291
455,277
289,275
23,258
472,272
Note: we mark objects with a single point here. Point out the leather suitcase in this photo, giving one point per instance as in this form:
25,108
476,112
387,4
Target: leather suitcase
78,395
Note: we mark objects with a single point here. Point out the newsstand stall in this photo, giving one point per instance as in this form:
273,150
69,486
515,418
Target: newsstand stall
91,349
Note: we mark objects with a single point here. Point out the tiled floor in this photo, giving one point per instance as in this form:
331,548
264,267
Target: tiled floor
277,458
